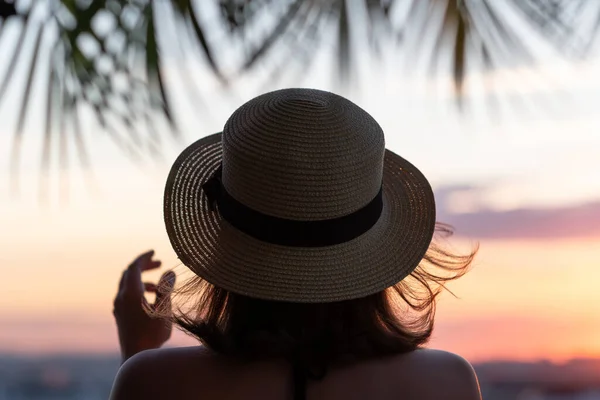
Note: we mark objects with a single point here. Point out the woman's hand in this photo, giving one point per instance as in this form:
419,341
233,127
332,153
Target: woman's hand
139,331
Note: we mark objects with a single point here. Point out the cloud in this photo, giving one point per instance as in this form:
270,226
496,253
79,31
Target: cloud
573,221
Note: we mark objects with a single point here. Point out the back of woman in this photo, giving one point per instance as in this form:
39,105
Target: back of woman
193,373
317,264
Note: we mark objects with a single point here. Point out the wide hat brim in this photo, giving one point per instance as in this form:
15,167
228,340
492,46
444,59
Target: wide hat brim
235,261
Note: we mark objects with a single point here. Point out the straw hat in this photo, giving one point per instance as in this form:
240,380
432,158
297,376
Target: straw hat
298,200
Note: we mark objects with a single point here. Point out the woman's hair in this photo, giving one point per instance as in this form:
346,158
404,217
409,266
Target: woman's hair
396,320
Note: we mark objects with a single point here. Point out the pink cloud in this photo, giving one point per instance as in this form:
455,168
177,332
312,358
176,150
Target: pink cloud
577,221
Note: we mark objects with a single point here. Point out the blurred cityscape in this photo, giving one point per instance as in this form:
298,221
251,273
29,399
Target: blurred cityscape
90,378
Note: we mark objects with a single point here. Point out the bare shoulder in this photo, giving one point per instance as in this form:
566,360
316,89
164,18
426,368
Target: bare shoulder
147,375
439,374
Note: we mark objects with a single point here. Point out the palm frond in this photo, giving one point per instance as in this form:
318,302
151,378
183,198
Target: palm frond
477,31
549,17
107,55
7,10
115,72
187,13
344,44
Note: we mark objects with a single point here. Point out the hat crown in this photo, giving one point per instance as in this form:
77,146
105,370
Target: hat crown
302,154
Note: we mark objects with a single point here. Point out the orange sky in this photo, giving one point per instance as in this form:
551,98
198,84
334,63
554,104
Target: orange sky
523,299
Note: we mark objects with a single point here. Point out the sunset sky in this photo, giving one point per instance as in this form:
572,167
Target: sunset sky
523,181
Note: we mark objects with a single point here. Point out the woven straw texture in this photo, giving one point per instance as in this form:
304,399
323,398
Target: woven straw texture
305,155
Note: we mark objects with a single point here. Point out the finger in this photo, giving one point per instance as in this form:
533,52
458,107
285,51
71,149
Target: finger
150,287
122,280
145,262
133,280
150,265
144,256
165,287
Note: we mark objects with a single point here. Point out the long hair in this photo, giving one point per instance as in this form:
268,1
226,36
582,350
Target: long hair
398,319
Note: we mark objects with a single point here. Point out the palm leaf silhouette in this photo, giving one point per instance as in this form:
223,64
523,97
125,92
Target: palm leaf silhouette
106,55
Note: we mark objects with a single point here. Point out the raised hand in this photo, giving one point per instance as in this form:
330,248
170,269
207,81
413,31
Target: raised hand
138,330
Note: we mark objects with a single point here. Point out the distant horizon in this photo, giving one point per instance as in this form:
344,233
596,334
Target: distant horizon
115,355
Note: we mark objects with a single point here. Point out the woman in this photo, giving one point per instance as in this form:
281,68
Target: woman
316,274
